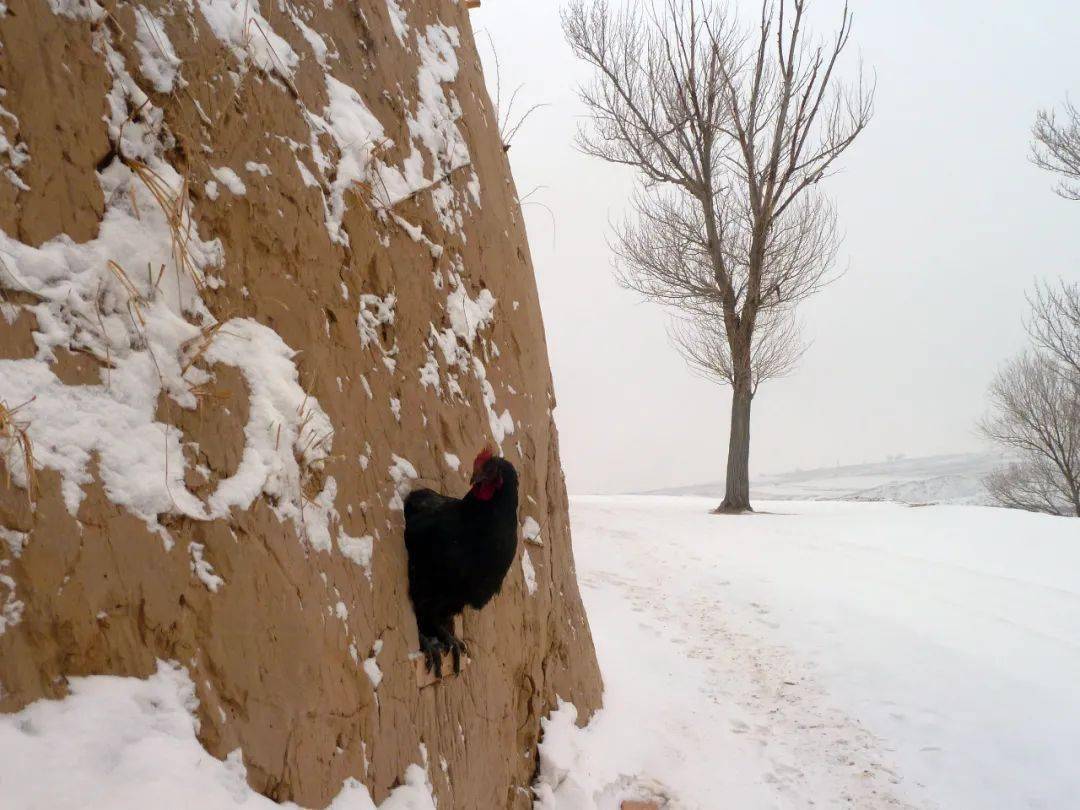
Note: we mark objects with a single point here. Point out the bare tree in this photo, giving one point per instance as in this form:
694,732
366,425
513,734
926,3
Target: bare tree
776,350
731,131
1035,411
1055,324
1057,148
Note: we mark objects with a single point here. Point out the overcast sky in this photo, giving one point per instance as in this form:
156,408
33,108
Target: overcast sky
946,226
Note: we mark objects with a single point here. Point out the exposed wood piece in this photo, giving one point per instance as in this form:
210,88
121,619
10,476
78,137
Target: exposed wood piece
424,678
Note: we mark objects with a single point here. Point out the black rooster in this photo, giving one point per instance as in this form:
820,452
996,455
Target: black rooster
459,552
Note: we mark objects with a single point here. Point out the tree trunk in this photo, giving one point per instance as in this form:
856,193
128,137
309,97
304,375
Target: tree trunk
737,491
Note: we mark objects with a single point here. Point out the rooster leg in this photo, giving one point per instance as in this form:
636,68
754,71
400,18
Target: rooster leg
433,650
453,643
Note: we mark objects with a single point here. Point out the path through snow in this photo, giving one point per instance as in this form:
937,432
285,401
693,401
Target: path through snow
835,655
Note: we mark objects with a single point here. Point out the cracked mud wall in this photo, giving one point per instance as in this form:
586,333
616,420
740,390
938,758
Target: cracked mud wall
264,267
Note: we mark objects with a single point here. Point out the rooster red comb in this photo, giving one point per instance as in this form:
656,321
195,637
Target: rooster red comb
482,458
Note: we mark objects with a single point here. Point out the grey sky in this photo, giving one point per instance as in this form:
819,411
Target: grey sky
947,225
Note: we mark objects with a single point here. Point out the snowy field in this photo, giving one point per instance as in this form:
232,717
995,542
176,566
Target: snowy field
952,479
825,655
819,655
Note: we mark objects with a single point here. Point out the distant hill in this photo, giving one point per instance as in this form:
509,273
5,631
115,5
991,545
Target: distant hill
953,479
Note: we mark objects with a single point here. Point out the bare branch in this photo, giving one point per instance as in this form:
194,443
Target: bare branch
507,124
1055,323
1035,412
703,343
1056,148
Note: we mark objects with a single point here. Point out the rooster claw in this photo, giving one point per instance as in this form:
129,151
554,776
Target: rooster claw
433,650
456,648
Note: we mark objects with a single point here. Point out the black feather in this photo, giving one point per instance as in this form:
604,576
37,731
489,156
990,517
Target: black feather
459,552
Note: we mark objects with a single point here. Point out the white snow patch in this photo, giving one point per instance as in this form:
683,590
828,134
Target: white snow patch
240,25
306,176
473,188
435,121
85,304
257,168
402,472
284,424
230,179
530,531
16,153
469,315
16,541
202,569
397,19
452,461
416,233
357,133
528,571
360,139
375,312
371,665
11,609
501,424
157,57
357,549
429,372
130,743
315,41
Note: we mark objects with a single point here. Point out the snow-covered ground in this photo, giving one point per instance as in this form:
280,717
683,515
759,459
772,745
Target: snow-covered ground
856,655
129,744
952,479
825,655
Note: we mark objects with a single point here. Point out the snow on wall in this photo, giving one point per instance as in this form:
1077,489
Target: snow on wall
375,313
11,608
155,336
230,179
528,572
397,20
131,298
13,151
371,665
357,549
434,123
402,473
360,170
240,26
159,63
125,742
530,531
322,52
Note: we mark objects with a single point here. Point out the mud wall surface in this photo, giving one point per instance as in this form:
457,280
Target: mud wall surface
262,269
